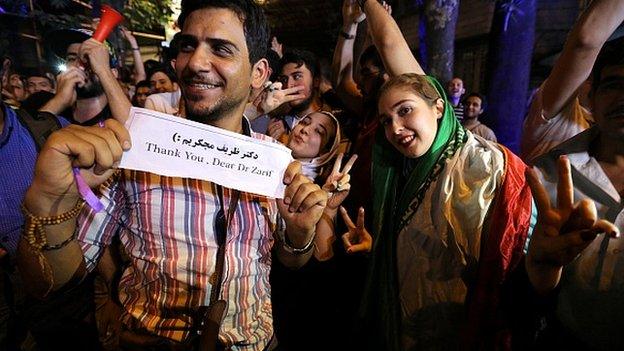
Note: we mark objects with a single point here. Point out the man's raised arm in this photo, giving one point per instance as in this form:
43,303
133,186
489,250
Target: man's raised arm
48,255
579,54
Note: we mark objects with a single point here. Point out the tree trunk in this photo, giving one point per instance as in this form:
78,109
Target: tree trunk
441,19
422,41
509,61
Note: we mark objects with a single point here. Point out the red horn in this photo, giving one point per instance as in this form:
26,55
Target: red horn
110,18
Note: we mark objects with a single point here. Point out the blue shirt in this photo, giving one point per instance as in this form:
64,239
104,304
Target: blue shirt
18,154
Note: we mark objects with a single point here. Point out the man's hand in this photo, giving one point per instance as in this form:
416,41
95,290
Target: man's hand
66,90
275,97
337,183
562,232
96,54
352,13
95,150
302,205
357,239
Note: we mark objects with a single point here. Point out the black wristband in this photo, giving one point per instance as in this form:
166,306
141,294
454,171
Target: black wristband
346,35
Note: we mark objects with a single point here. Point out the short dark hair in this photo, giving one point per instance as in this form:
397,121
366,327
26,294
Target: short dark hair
143,84
300,58
480,96
165,69
254,21
611,54
43,73
371,54
274,63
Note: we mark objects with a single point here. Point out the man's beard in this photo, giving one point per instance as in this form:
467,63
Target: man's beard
92,88
209,114
302,106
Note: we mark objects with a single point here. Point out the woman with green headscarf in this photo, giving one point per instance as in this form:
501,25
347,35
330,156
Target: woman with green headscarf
451,214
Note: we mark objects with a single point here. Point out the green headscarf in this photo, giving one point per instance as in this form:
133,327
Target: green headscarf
393,206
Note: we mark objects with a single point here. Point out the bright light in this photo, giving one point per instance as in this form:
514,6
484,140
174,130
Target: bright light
61,67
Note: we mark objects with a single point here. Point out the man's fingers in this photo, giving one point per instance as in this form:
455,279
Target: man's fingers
103,156
299,200
289,91
292,170
121,133
317,197
292,97
346,218
565,188
542,200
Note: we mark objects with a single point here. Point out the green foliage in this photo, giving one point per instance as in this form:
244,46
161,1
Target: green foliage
141,15
146,15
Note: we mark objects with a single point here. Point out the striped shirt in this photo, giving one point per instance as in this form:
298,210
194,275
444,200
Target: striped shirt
166,225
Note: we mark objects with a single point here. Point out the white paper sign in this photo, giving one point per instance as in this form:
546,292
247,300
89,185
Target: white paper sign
176,147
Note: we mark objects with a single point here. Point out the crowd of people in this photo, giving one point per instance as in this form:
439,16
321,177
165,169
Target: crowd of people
445,239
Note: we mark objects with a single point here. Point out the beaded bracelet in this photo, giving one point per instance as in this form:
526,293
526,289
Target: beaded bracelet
34,231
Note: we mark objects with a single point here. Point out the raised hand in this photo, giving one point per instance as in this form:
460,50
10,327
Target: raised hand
95,150
302,205
277,47
67,82
337,183
357,239
96,54
275,97
129,37
352,13
563,231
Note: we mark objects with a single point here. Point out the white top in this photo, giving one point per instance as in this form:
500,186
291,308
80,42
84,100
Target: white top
164,102
540,135
591,301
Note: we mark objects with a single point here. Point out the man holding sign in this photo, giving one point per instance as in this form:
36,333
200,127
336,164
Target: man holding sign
175,229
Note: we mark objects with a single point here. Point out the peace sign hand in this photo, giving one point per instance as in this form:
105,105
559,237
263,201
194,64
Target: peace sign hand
357,239
337,183
561,232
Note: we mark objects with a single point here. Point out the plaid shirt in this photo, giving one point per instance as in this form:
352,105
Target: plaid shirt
166,226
